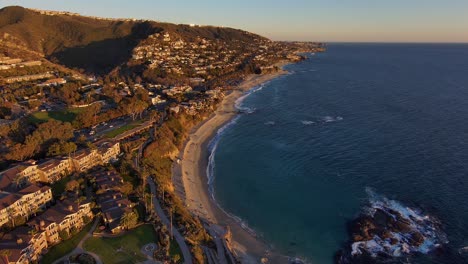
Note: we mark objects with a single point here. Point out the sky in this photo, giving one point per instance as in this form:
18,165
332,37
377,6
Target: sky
305,20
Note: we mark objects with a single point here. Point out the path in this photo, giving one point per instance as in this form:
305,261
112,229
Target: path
79,248
160,212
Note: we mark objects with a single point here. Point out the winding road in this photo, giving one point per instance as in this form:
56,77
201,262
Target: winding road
79,248
160,212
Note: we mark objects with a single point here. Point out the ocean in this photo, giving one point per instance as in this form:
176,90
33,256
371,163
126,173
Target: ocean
347,130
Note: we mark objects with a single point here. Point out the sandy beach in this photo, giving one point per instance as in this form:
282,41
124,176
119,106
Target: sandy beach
191,172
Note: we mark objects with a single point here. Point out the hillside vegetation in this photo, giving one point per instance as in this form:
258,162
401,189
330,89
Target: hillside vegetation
91,44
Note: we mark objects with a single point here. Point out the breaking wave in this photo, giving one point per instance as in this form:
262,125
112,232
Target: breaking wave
307,122
244,109
387,228
328,119
322,120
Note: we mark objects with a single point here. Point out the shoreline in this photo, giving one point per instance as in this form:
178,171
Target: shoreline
191,172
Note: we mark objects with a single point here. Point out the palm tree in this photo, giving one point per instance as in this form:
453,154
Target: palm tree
5,253
11,214
18,182
79,200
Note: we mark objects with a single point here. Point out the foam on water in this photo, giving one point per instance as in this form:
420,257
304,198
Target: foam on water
399,244
239,101
212,146
307,122
329,119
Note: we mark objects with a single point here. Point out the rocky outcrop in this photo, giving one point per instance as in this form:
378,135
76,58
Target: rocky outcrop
387,229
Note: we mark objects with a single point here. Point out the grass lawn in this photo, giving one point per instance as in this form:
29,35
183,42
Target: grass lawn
174,249
123,249
122,129
65,247
67,115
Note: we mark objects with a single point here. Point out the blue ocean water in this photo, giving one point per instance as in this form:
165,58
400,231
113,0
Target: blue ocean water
388,117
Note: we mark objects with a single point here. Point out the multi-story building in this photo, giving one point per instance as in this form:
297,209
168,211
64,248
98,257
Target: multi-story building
24,245
64,216
112,202
109,151
85,159
27,244
20,174
52,170
23,203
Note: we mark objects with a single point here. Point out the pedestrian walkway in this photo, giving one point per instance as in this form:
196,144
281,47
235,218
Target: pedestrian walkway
79,248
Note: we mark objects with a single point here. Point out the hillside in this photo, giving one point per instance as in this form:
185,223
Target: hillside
91,44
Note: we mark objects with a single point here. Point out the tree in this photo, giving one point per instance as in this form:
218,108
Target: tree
73,230
129,220
40,140
88,116
126,188
11,216
80,199
135,105
72,185
5,112
68,148
90,145
63,234
61,148
86,219
20,152
19,181
176,258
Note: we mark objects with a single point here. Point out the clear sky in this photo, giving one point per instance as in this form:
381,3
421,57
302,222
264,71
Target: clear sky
314,20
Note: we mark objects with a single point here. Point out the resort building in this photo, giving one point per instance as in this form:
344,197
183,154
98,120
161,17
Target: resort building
23,203
109,151
85,159
20,174
66,216
27,244
112,202
24,245
53,170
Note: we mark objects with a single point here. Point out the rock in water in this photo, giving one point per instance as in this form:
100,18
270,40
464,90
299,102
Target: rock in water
387,229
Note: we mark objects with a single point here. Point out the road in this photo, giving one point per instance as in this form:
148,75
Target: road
160,212
79,248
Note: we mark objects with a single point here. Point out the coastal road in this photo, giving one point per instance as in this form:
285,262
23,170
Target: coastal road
160,212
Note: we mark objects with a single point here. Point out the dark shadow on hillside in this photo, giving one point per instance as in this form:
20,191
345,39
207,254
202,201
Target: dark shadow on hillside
102,56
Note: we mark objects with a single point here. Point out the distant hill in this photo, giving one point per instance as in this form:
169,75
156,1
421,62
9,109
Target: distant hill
92,44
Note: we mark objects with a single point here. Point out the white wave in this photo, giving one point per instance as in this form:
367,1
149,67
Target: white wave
239,101
212,147
270,123
307,122
463,250
401,243
329,119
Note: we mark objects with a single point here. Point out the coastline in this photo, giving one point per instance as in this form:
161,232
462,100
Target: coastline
191,172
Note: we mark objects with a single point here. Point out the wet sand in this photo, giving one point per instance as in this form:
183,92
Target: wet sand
192,171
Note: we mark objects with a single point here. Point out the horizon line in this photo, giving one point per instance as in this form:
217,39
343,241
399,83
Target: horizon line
239,28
